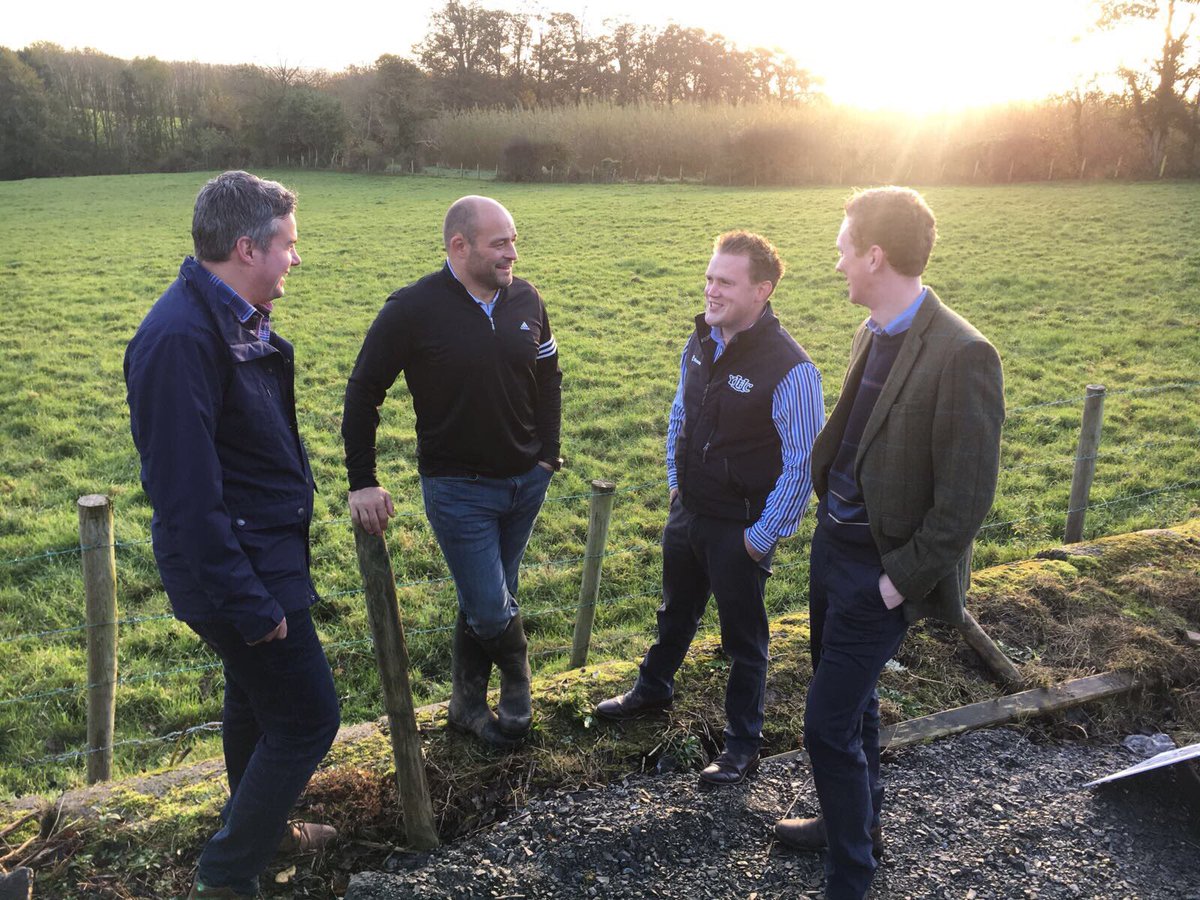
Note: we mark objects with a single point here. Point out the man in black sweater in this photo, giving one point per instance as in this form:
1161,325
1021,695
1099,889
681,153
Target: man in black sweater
481,364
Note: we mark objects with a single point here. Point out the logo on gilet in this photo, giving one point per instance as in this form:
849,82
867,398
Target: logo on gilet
740,383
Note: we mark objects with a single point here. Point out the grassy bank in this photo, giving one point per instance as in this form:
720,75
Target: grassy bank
1074,284
1117,603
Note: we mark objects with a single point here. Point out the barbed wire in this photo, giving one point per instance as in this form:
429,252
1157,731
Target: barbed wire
1121,453
1056,513
557,650
214,727
617,638
127,679
611,601
399,585
132,742
563,498
1121,392
84,627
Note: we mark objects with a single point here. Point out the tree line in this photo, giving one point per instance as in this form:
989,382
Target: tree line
69,112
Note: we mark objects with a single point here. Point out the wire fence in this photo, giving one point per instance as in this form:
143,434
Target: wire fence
617,603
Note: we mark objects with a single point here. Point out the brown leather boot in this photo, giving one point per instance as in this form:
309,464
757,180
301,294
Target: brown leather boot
810,834
301,837
470,669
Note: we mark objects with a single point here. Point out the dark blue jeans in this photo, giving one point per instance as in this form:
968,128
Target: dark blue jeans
858,635
483,526
281,716
702,556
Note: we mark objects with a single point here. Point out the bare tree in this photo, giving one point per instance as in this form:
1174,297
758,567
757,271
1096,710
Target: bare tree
1159,97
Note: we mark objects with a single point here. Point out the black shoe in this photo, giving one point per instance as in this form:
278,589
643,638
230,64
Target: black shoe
730,768
810,834
630,706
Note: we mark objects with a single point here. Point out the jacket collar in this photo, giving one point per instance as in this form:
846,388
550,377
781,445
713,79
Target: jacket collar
459,288
243,342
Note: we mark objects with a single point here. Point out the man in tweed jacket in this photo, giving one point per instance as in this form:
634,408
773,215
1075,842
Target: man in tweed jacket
904,471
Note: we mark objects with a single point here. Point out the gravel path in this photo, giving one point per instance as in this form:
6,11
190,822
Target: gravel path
985,815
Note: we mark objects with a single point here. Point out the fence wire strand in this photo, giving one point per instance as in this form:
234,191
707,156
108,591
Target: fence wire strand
612,603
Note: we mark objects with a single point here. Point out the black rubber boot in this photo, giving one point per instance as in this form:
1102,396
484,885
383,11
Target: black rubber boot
510,652
470,669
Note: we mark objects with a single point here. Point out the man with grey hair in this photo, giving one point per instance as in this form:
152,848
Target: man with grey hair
211,390
481,364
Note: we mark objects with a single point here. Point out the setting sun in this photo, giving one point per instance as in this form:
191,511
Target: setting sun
930,56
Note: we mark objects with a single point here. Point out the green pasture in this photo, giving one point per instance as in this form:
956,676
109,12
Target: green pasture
1074,284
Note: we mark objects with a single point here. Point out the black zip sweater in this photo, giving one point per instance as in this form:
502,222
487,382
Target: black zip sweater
486,392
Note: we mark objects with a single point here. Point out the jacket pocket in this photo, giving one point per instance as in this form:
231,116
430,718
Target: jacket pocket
899,527
275,540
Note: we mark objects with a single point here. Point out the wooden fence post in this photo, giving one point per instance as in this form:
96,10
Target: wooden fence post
100,590
1085,462
982,644
593,562
391,656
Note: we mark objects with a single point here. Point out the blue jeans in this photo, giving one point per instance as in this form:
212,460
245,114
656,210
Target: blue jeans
483,526
281,716
858,634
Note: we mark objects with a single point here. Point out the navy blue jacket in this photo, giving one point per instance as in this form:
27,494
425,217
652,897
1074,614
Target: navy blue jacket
213,414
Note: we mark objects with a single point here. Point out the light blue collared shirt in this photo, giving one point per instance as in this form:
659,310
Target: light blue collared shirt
902,322
486,305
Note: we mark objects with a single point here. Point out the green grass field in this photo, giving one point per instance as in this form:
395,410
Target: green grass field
1074,284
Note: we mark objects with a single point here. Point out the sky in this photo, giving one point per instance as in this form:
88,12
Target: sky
909,55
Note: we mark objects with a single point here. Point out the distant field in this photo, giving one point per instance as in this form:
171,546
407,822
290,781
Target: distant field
1074,284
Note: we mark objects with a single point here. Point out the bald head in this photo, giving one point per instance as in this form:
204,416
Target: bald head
481,244
464,215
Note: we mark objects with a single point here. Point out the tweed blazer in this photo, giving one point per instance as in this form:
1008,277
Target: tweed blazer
929,455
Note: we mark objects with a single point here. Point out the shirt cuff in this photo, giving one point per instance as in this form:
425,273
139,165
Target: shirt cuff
754,534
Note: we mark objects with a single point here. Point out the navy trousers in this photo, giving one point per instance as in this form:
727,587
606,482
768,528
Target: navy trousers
854,634
281,716
703,556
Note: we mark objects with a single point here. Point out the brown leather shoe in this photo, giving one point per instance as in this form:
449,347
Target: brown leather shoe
631,705
810,834
302,837
730,768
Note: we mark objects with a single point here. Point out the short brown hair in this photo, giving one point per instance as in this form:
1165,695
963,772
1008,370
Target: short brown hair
765,264
897,220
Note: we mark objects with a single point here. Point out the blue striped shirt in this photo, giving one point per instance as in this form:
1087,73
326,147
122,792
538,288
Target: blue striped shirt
798,411
254,319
